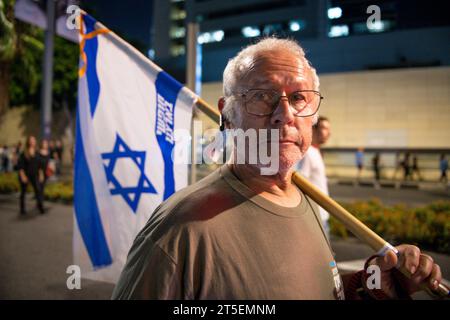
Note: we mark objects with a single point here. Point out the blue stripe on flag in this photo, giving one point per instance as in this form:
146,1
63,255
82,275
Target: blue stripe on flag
167,89
90,49
85,204
86,209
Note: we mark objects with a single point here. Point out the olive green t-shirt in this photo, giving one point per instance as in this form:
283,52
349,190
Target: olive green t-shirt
217,239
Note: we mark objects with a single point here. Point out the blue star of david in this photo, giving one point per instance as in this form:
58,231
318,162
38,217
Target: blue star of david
121,150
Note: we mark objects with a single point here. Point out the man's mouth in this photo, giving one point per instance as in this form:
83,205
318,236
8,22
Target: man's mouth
288,141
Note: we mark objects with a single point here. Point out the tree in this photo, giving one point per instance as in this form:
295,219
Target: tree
65,73
7,50
21,52
21,49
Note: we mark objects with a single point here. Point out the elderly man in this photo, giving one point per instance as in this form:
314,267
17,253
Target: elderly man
238,234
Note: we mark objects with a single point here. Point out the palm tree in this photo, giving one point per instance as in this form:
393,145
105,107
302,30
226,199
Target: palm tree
21,48
7,51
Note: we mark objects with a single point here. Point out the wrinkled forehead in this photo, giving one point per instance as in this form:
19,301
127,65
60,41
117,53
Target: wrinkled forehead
275,69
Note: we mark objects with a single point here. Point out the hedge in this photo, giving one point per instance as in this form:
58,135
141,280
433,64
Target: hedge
9,183
54,191
427,227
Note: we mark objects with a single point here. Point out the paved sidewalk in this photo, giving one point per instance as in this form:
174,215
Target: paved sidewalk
35,251
410,196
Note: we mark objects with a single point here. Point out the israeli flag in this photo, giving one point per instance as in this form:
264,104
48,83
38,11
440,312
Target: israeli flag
127,116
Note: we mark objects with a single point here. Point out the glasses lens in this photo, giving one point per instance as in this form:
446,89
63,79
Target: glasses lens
261,102
305,103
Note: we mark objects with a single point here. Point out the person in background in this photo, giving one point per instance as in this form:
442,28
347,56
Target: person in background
312,166
376,169
406,167
443,166
359,162
44,154
415,169
15,156
30,171
5,159
51,148
59,149
397,165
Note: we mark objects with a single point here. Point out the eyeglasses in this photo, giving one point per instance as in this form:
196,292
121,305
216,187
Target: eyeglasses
263,102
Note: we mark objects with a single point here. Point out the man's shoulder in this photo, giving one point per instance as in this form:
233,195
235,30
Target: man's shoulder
192,208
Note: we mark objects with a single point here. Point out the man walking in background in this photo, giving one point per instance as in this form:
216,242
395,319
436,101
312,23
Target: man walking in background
312,166
359,163
376,170
443,166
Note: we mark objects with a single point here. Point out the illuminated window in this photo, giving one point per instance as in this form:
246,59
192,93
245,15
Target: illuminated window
378,26
177,32
296,25
178,14
250,31
211,36
334,13
177,50
338,31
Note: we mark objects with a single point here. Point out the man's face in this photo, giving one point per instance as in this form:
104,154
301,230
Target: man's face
322,132
285,73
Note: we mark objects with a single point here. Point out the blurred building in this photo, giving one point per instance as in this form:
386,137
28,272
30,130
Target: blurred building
386,81
410,33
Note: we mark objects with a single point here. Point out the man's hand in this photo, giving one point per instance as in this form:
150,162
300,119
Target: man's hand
421,266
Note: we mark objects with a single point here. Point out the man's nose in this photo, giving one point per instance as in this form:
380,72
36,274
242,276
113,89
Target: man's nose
283,114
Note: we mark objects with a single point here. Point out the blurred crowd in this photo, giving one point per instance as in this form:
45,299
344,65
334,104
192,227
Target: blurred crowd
50,150
35,165
407,165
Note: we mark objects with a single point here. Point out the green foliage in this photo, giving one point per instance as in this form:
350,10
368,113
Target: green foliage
21,53
7,37
26,66
26,71
59,191
9,183
65,73
54,191
426,227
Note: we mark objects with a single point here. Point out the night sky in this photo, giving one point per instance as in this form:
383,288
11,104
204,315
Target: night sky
130,19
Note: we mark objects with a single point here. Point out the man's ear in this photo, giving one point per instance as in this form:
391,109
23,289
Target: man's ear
221,104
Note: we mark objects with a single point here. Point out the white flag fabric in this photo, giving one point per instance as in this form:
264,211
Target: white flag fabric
128,109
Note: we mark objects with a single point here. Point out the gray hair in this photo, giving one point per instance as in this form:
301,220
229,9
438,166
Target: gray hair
239,66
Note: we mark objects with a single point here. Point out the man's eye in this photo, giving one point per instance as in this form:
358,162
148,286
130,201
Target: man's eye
297,96
262,96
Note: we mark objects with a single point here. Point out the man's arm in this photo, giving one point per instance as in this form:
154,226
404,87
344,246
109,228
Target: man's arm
20,165
149,274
